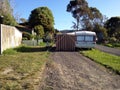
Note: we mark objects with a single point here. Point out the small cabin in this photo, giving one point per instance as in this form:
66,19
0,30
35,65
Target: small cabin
84,39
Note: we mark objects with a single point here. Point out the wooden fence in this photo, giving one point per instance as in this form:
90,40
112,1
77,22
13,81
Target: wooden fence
65,42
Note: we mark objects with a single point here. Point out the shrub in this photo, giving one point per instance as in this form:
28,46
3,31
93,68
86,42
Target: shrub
23,48
10,51
109,45
116,45
42,43
27,36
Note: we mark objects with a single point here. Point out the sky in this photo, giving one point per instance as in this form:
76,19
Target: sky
63,20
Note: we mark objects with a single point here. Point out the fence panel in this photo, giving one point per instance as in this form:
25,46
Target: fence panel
65,42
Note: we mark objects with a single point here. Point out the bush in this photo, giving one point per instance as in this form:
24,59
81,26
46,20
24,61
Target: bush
9,20
109,45
116,44
23,48
42,44
112,40
113,44
27,36
10,51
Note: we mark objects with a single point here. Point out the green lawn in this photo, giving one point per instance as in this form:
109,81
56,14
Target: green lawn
113,45
108,60
21,70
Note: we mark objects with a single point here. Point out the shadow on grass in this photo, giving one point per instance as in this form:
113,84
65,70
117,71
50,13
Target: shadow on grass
40,49
31,49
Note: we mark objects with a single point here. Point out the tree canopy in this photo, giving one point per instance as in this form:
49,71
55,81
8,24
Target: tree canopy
79,10
6,13
113,27
42,16
85,16
39,31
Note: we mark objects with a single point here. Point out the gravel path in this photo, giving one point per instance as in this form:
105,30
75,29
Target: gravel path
108,50
72,71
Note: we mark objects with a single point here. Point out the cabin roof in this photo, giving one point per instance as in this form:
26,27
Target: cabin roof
82,33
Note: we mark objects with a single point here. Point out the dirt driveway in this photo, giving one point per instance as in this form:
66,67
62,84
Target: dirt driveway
72,71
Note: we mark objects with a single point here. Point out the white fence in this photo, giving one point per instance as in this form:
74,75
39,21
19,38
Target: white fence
31,42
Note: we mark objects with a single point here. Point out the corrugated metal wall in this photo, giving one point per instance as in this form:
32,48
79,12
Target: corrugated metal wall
65,42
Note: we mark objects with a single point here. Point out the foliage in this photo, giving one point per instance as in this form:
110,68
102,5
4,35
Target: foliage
113,45
96,16
23,48
39,30
6,13
108,60
109,45
101,32
42,16
10,51
48,37
5,7
85,16
79,9
43,44
113,28
9,20
23,20
27,36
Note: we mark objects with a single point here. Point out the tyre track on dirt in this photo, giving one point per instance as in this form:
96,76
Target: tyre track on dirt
72,71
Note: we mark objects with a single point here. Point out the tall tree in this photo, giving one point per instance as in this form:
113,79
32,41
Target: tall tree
23,20
5,7
113,27
39,31
101,32
6,12
42,16
79,10
85,16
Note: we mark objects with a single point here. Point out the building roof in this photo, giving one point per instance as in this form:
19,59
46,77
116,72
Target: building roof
82,33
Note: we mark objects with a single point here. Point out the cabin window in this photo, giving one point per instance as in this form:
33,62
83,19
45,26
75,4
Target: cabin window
88,38
80,38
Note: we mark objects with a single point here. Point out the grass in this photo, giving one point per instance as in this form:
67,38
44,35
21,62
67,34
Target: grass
108,60
19,70
43,44
113,45
10,51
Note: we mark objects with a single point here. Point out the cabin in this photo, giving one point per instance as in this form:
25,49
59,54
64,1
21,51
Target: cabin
84,39
78,39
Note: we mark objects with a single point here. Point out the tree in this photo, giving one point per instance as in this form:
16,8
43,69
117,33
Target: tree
97,17
85,16
101,32
42,16
39,31
6,12
113,28
79,10
23,20
5,7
